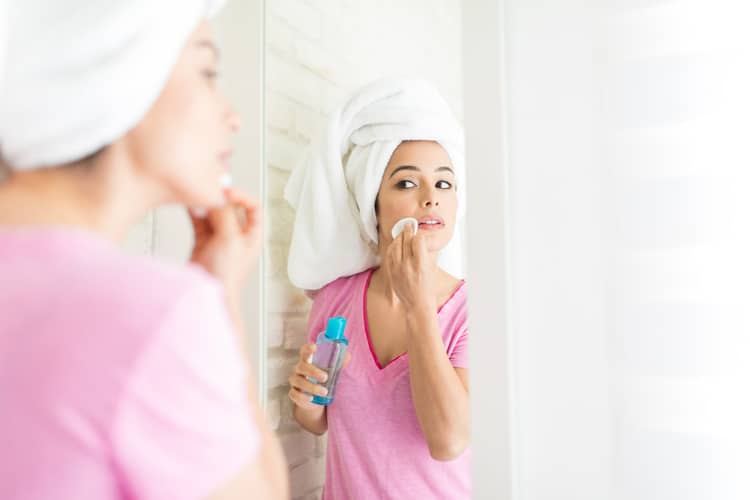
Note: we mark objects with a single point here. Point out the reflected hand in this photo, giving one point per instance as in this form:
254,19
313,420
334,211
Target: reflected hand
302,389
408,267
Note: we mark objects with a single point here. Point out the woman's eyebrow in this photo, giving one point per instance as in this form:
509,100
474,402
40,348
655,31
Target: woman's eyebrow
416,169
403,167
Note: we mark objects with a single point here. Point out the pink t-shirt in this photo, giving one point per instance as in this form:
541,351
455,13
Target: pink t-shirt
120,377
376,449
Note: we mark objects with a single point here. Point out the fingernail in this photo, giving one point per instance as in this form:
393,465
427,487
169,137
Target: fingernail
323,391
199,212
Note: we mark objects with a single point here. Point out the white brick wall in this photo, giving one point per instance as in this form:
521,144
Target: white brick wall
317,53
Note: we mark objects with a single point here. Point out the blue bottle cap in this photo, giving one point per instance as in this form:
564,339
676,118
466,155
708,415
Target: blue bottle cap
335,328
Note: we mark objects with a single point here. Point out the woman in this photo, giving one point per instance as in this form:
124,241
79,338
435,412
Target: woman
122,377
399,423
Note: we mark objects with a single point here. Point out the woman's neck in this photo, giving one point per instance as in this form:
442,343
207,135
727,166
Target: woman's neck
100,199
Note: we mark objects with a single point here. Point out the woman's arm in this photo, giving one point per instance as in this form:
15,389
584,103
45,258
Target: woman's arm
267,477
312,419
439,391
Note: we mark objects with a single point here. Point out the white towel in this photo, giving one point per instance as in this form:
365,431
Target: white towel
79,74
334,188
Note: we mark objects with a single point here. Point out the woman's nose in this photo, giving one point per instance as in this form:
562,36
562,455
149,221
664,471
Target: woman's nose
430,200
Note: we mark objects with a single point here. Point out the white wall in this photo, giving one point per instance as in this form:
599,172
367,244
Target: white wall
317,53
676,107
557,216
628,237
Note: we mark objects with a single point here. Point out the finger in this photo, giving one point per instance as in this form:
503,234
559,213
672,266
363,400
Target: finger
300,398
419,247
201,228
402,239
394,259
407,242
249,207
306,352
307,370
398,249
387,259
223,221
301,383
305,366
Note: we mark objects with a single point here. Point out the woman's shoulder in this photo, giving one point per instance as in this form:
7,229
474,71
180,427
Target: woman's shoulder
455,301
81,268
80,290
161,289
345,286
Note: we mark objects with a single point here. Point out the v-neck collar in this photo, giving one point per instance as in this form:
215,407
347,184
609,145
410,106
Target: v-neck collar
366,322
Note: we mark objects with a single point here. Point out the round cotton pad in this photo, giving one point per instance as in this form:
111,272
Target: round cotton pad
401,224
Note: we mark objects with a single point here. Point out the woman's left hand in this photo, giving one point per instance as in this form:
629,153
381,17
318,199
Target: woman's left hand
409,269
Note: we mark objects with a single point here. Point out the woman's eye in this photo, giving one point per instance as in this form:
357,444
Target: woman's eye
405,184
443,185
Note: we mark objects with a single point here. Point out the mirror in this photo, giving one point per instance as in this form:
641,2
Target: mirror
317,55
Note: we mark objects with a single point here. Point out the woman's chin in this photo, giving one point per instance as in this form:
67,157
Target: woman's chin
436,241
435,246
203,198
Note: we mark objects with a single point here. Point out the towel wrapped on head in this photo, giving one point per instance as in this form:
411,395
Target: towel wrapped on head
80,74
334,188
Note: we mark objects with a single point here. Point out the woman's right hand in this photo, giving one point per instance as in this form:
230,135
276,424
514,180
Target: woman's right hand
228,240
302,390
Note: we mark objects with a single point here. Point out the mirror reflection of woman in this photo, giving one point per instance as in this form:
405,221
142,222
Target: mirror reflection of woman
121,376
399,423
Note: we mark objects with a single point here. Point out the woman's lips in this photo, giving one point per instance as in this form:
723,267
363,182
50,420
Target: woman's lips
431,223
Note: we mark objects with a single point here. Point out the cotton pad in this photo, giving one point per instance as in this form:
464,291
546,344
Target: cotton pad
401,224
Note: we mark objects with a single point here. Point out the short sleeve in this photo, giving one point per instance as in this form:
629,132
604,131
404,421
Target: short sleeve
458,329
184,424
459,356
319,312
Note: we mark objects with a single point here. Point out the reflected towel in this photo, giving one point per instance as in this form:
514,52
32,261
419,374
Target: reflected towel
335,186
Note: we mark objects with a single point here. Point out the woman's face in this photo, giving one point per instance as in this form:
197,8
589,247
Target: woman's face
184,142
419,182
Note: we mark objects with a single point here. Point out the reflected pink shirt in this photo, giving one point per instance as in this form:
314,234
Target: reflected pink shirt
376,449
120,376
